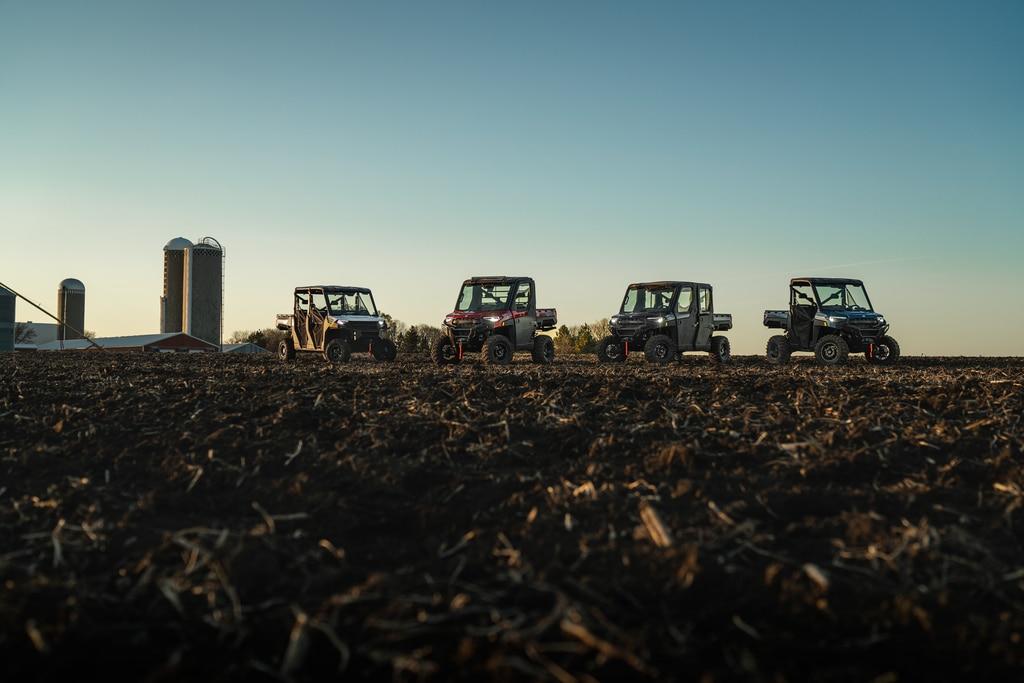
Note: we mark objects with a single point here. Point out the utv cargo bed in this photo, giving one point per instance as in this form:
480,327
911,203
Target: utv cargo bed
547,318
777,320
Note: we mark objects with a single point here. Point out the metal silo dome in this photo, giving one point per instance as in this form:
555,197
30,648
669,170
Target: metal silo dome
178,244
72,285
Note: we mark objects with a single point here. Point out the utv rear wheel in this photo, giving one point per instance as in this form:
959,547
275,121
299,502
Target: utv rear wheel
720,351
337,351
659,349
444,352
885,352
543,350
285,350
383,350
831,350
778,351
611,350
497,350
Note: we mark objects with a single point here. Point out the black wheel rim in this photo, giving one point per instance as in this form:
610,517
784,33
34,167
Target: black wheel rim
611,351
499,351
447,351
549,352
882,352
334,354
830,351
661,351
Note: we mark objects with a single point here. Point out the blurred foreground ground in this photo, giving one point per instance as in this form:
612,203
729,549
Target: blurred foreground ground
170,517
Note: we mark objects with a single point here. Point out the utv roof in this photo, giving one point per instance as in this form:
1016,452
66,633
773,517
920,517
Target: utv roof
824,280
498,278
335,288
667,283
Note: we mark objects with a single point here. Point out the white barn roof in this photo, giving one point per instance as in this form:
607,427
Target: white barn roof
246,347
129,342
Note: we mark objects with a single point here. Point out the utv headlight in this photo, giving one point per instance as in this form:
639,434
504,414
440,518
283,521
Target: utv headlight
881,320
493,318
833,319
657,321
614,320
382,325
339,323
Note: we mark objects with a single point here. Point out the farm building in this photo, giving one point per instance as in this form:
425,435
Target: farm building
247,347
167,342
35,334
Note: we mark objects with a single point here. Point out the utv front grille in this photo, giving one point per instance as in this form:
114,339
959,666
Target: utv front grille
628,330
362,327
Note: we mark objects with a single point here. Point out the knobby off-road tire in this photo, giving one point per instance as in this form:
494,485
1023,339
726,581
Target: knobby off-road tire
721,352
887,352
831,350
778,350
444,352
543,350
659,349
337,351
383,350
610,350
285,350
498,350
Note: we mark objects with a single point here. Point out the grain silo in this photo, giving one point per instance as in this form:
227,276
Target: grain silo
70,309
172,303
204,290
7,299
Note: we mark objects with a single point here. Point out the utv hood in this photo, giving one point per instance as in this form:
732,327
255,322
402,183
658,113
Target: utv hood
473,315
866,316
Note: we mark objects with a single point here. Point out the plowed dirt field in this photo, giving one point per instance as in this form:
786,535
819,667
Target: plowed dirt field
189,517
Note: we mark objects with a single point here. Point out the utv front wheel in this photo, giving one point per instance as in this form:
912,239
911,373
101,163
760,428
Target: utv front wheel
885,352
444,352
610,350
778,350
831,350
720,351
659,349
543,350
497,350
337,351
383,350
285,350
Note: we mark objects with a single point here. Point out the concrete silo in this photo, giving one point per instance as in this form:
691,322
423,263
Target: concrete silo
204,290
172,303
7,299
70,309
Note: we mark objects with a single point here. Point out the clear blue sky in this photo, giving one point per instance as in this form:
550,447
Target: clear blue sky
405,146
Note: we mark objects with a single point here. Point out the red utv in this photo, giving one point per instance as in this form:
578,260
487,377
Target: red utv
496,316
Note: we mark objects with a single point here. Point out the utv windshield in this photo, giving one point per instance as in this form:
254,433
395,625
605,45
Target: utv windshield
841,296
350,303
484,296
646,299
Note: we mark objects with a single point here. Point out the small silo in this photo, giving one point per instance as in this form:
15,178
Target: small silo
7,299
70,309
204,290
172,303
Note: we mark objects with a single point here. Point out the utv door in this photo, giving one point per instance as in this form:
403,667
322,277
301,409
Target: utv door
686,319
802,309
706,319
525,311
300,320
317,316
